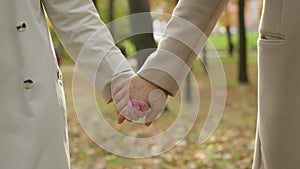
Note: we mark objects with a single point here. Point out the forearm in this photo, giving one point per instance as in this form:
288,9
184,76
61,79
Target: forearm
184,37
88,41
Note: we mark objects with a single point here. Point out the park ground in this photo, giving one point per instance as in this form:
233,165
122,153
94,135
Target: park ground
230,147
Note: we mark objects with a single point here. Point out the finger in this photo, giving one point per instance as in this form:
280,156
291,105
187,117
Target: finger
132,114
147,112
135,104
140,115
121,119
141,108
144,106
118,84
132,111
121,104
148,124
144,113
127,116
124,112
157,99
120,95
117,87
140,105
151,117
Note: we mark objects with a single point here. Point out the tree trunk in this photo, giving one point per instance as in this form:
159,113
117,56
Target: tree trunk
227,24
229,39
243,78
144,43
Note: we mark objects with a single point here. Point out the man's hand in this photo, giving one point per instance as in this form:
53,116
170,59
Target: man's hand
143,90
127,109
134,96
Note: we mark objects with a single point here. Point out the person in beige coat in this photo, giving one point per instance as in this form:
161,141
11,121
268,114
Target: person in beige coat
33,126
278,122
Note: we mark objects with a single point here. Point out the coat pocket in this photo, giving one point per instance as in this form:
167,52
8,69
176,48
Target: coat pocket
273,19
268,37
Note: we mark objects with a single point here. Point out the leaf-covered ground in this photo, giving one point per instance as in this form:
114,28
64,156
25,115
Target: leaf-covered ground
230,147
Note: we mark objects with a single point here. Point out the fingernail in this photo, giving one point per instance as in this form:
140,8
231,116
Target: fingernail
134,102
129,104
142,104
120,120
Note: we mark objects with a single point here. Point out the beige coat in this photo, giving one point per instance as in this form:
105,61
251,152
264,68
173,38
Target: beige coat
278,131
33,128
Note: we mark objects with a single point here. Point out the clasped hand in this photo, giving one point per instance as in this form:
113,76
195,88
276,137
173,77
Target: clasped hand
135,98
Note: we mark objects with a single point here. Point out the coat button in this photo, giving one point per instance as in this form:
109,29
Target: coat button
21,26
28,84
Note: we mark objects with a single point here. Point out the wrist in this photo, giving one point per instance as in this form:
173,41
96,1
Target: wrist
157,86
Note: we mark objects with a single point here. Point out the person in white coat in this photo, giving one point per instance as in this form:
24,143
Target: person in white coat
278,122
33,126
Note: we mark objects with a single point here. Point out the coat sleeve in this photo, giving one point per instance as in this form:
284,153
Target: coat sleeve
88,41
186,33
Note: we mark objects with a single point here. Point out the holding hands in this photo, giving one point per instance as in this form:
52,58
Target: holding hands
135,98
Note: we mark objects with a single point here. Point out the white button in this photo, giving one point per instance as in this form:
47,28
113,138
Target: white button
21,26
28,84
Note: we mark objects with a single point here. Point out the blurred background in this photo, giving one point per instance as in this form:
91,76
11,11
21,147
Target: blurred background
232,145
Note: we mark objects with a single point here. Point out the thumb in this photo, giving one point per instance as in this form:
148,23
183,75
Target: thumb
157,99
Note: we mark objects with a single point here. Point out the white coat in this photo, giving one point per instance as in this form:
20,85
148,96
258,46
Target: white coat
33,127
278,124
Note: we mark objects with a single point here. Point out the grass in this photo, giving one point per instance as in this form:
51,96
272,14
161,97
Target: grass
220,41
231,146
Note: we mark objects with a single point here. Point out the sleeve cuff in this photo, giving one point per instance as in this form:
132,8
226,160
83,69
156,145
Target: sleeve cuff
161,79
